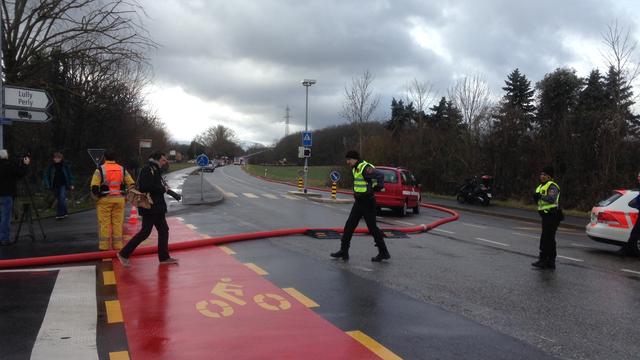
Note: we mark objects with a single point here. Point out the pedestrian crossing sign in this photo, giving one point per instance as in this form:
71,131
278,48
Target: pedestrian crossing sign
306,138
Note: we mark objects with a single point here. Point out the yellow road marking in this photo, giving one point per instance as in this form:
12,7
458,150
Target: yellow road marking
372,345
109,259
256,268
192,227
119,355
227,250
301,297
108,278
114,312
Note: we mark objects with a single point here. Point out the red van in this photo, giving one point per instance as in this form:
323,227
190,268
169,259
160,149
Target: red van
401,190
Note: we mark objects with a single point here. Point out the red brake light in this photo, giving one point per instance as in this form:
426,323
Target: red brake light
613,218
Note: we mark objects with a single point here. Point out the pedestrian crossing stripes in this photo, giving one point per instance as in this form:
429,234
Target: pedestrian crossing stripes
261,196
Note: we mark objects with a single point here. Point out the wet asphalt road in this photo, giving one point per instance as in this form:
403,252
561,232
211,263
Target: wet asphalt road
477,268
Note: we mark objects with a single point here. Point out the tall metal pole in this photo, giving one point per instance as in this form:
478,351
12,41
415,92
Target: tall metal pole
306,128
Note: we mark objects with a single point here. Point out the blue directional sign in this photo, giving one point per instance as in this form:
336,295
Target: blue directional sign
202,160
306,139
335,176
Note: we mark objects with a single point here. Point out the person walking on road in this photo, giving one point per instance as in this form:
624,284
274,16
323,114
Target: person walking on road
59,179
547,196
109,184
150,181
9,175
366,181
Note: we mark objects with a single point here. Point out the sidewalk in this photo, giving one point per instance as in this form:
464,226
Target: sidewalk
79,232
573,222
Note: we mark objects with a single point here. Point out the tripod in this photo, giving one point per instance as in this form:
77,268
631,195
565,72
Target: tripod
26,216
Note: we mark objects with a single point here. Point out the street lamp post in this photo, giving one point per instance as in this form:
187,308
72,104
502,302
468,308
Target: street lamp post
306,83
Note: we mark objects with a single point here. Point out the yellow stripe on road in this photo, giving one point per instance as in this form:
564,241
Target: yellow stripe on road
256,268
227,250
114,312
108,278
119,355
301,297
192,227
105,260
250,195
373,345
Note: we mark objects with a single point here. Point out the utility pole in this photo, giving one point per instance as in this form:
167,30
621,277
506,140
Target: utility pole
286,122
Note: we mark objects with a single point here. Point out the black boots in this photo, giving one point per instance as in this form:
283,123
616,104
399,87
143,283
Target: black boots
343,253
544,264
383,253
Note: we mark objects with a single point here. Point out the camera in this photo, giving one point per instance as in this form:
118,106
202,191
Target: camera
174,194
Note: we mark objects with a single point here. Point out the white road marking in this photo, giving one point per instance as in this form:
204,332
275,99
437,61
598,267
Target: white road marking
290,197
179,218
270,196
492,242
68,330
250,195
362,268
405,223
583,246
526,235
631,271
474,225
444,231
231,195
191,226
569,258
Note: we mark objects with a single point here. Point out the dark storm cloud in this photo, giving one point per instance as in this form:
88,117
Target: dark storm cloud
252,55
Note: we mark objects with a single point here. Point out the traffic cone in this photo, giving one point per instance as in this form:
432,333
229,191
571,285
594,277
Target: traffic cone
133,216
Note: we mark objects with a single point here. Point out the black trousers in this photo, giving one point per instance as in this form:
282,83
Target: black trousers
148,222
635,233
362,208
548,236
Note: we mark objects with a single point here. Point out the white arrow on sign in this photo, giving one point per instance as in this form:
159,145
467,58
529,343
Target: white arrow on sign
27,115
35,99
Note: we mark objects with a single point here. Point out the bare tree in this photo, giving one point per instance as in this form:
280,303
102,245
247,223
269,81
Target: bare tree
421,94
620,51
360,103
109,30
472,96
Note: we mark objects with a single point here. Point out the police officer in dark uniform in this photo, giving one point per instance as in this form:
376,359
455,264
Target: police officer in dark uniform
366,180
547,196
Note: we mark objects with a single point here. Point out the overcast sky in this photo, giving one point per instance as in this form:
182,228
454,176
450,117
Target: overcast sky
240,63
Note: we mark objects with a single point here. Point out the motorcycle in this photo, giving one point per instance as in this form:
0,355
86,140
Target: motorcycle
475,191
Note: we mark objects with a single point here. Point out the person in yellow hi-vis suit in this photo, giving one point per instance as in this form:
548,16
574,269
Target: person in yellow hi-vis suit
109,183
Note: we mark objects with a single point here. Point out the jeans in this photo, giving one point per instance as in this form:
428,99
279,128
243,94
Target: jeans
6,205
61,197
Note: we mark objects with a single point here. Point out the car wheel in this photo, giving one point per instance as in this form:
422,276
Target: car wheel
634,245
460,199
416,210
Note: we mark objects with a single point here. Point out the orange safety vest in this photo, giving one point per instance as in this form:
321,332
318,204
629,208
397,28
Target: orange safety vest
112,179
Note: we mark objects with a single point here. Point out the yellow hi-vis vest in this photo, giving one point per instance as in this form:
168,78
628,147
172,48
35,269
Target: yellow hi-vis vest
542,190
359,183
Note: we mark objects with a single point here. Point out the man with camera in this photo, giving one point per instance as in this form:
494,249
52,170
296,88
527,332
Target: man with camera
9,175
151,181
109,184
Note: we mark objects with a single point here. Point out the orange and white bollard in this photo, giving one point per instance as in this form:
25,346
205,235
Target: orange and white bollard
133,216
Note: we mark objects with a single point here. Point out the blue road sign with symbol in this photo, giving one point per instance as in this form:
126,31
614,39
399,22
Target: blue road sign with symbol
335,176
306,139
202,160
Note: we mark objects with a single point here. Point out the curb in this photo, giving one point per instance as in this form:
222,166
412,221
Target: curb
219,195
332,201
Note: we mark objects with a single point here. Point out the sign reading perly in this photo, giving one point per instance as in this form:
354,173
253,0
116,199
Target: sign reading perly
26,98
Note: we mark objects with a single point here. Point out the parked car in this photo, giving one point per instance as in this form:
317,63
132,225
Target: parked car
401,190
210,167
612,219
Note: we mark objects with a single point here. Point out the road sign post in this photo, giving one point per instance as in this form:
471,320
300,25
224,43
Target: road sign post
202,160
306,143
335,176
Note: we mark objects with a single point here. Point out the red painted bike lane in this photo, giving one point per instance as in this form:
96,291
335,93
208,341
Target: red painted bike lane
213,306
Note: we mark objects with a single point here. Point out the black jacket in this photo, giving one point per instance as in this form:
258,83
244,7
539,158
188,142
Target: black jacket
150,181
9,175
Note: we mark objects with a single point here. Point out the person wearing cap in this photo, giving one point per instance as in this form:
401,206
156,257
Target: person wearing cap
547,196
366,181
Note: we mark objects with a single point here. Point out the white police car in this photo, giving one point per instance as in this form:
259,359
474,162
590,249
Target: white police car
612,219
